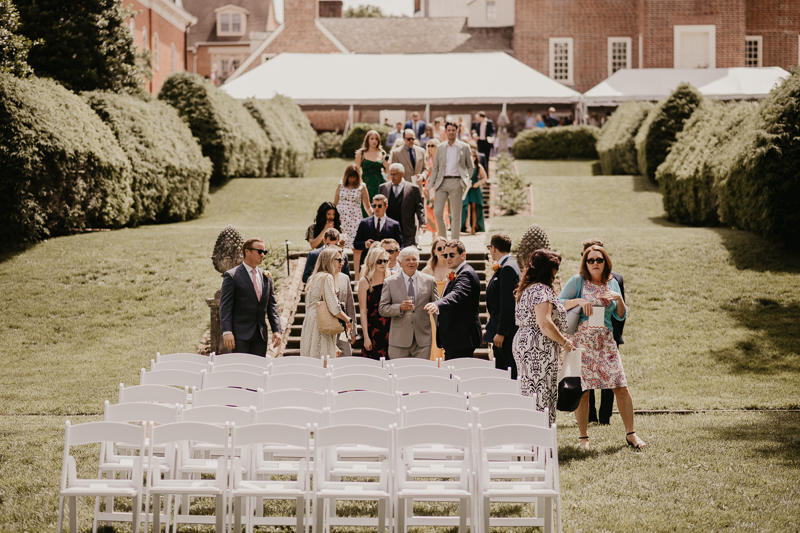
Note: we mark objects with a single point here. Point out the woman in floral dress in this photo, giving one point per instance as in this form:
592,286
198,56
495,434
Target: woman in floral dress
541,319
374,327
351,194
601,365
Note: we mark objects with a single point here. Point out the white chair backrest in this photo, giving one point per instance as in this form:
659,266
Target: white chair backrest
237,367
194,432
528,436
418,370
244,380
160,413
360,382
468,362
438,415
368,370
363,417
433,399
486,385
279,370
490,402
295,398
297,360
191,366
175,378
356,399
192,357
240,358
93,432
297,381
426,384
289,435
352,435
357,361
411,361
220,415
441,434
227,396
153,393
481,372
511,416
292,416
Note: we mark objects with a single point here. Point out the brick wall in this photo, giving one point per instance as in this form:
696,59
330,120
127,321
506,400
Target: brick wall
300,34
778,22
168,34
330,8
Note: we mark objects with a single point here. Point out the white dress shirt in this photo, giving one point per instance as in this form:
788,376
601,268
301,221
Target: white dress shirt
397,189
451,160
382,221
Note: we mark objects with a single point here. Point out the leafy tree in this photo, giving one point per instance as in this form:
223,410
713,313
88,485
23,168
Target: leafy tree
87,44
363,11
14,48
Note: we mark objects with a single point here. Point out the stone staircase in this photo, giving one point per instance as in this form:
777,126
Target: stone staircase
476,259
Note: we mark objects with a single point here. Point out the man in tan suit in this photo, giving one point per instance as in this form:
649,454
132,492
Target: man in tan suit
412,157
451,179
404,298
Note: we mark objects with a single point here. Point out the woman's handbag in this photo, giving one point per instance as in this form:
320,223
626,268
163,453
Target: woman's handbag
326,322
569,382
574,315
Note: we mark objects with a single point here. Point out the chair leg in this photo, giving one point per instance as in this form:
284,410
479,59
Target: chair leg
157,515
73,514
558,513
136,508
60,515
462,515
237,514
381,516
319,512
220,514
96,510
486,514
401,515
548,515
300,507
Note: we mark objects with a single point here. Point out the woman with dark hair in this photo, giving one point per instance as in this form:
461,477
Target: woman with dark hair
596,291
472,207
327,218
541,319
372,161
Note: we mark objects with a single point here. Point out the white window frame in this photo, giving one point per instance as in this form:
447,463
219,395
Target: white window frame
145,42
628,47
173,56
760,57
692,28
491,14
570,61
229,11
156,55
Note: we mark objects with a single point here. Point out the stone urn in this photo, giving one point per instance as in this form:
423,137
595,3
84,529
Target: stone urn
227,255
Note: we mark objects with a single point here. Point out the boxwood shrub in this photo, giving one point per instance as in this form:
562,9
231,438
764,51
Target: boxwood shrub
228,135
355,137
615,145
760,193
170,173
62,168
566,142
699,159
658,131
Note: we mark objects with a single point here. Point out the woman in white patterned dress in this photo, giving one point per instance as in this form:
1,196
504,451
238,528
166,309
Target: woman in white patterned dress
351,194
325,278
541,319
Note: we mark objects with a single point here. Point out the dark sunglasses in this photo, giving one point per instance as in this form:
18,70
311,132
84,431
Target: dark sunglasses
439,248
339,260
409,138
451,254
377,206
592,261
393,251
381,261
262,252
489,247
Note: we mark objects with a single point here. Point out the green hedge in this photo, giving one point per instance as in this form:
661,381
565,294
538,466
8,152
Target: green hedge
658,131
699,159
170,174
329,145
615,146
228,135
62,168
760,193
355,137
290,133
566,142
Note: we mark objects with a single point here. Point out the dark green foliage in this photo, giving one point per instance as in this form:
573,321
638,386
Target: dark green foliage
658,131
329,145
228,135
62,169
14,48
355,137
512,194
615,146
363,11
565,142
700,157
293,139
170,174
87,44
760,193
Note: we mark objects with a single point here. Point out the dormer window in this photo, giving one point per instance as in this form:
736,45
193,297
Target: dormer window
231,20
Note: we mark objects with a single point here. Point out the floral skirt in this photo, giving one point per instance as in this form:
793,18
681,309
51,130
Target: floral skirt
601,365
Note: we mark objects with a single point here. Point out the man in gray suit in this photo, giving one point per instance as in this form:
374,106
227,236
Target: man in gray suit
412,157
403,299
405,204
346,298
452,178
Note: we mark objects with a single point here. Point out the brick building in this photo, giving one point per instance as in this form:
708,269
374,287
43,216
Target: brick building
161,26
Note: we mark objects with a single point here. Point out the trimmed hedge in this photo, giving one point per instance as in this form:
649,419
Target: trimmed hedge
565,142
329,145
615,145
760,193
658,131
228,135
170,174
290,133
355,137
62,169
699,159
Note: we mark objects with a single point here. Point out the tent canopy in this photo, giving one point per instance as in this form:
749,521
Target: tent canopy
400,79
656,83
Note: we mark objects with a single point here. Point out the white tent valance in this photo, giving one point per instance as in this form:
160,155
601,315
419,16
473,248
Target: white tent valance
400,79
656,83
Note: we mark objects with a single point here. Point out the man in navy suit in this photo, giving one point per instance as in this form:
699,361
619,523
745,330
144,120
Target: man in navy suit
247,296
331,237
459,331
376,227
416,125
483,133
500,303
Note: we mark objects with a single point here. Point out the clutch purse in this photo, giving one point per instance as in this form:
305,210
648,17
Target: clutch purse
326,322
570,391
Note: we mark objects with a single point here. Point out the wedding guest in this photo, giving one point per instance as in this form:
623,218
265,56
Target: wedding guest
437,267
415,124
430,217
394,135
541,319
405,203
451,176
331,238
372,160
325,280
438,129
483,133
472,206
552,119
539,121
459,331
392,247
351,195
411,157
345,295
427,136
374,228
403,300
601,366
501,327
530,121
374,327
327,218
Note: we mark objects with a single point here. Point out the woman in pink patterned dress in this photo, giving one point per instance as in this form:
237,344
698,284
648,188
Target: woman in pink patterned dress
601,366
351,194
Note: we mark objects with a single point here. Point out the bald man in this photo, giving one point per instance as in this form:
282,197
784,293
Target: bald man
405,203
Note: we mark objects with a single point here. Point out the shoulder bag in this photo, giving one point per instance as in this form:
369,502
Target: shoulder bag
326,322
569,382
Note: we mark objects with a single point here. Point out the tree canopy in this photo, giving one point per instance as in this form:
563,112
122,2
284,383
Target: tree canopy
14,48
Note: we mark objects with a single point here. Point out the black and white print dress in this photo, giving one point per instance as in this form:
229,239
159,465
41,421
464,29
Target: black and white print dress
535,353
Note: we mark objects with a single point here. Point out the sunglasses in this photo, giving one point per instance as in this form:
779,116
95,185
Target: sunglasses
451,254
339,260
409,138
592,261
439,248
381,261
489,247
261,252
393,251
377,206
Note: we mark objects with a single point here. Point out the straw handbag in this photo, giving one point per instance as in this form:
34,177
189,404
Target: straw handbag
326,322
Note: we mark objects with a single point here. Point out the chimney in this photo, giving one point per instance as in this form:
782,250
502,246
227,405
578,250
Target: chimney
300,11
330,8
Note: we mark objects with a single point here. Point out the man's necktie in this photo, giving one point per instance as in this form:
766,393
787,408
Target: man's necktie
380,226
413,159
412,295
255,284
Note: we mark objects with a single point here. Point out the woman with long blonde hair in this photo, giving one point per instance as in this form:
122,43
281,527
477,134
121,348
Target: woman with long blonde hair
371,160
437,267
324,280
374,327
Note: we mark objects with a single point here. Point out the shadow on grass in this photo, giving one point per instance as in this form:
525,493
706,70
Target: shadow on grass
643,184
770,435
10,251
662,221
750,252
571,453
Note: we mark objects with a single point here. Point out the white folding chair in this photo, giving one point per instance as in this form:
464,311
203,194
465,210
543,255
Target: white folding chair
242,380
426,384
418,370
507,459
189,476
227,396
296,381
511,416
411,361
434,480
437,415
289,416
490,402
191,366
331,471
175,378
480,372
362,416
360,382
191,357
72,486
355,399
433,399
294,398
543,490
468,362
487,385
357,361
278,370
220,415
153,393
368,370
240,358
298,360
237,367
261,484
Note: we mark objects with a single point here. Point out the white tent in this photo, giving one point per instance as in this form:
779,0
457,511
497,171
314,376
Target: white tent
400,79
656,83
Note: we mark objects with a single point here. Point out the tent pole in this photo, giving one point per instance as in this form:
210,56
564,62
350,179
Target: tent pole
427,113
349,123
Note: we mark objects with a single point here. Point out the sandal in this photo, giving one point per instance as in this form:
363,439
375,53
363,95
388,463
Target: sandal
632,445
583,445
